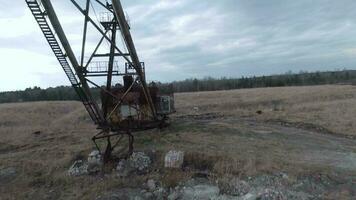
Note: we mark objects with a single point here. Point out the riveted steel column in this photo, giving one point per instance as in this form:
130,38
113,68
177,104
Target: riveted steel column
124,27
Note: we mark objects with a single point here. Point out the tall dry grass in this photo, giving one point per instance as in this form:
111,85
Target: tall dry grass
332,106
221,146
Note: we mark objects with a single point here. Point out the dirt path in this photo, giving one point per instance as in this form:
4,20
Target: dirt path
313,148
275,142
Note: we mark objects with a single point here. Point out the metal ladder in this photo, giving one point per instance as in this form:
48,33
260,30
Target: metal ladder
53,43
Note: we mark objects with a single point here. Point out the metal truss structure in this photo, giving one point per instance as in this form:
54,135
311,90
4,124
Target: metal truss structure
132,107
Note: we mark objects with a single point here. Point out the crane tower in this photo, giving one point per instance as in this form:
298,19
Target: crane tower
124,106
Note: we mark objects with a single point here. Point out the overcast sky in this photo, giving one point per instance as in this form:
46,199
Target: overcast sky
180,39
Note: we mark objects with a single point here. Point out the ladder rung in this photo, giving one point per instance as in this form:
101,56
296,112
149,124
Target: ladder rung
51,39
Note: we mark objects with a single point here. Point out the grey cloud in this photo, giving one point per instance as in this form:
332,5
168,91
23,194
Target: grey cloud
196,38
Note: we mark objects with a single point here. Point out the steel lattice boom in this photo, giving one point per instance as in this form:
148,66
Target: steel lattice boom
127,107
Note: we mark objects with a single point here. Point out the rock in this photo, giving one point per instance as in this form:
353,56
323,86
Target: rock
174,159
138,163
126,194
160,194
123,168
196,108
224,197
284,175
78,168
148,195
151,185
173,196
271,194
7,174
234,187
203,192
95,162
197,189
249,196
94,156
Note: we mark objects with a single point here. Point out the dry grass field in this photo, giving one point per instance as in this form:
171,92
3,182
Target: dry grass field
297,130
332,107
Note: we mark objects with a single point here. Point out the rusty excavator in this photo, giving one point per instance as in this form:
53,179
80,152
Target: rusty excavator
126,105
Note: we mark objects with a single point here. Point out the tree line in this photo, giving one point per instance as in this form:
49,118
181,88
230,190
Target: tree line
288,79
63,93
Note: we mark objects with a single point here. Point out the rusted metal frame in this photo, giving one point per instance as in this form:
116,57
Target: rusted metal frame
110,68
122,98
85,32
99,2
117,141
101,132
95,50
94,139
135,107
102,32
96,145
137,68
98,74
120,16
110,148
131,141
106,55
106,91
105,136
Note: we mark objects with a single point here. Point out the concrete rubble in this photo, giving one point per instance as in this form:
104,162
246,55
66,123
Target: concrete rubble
234,186
95,162
277,186
174,159
151,184
262,187
138,163
78,168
